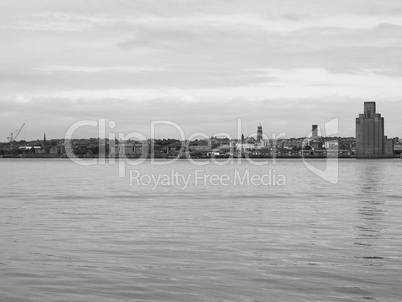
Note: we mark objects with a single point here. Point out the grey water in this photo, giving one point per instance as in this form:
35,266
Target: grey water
82,233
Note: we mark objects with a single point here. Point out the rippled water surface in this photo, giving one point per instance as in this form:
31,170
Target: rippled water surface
81,233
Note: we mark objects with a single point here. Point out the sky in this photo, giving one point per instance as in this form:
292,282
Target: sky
202,64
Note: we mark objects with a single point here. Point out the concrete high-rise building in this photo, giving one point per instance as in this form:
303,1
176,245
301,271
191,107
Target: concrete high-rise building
370,139
259,133
314,131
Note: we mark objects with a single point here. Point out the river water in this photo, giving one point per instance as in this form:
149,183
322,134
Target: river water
82,233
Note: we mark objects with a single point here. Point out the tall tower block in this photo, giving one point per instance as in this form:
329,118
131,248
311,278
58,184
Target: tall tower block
314,131
259,133
370,140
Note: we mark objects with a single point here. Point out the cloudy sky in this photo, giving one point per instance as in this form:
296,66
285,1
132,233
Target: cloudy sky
199,63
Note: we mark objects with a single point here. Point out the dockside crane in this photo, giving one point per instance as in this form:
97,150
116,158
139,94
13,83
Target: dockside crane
13,137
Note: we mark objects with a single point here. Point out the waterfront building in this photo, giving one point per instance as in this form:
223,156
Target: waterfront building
132,149
331,145
370,138
245,147
126,149
56,149
316,145
199,145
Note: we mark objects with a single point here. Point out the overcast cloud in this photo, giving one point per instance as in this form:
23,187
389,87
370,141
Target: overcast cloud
201,64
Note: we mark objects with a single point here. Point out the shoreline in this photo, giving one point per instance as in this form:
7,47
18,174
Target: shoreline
51,156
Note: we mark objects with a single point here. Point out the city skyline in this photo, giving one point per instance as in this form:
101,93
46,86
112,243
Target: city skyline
200,66
85,130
